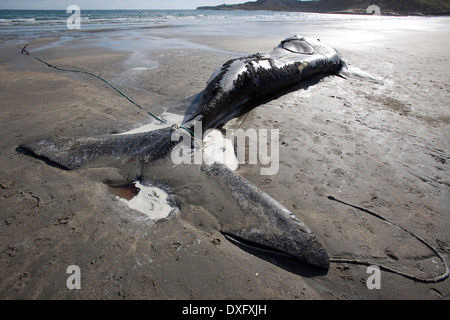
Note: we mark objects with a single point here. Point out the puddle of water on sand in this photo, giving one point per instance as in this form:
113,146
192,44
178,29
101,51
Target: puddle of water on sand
149,200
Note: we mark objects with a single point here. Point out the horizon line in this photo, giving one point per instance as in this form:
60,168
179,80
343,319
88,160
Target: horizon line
94,9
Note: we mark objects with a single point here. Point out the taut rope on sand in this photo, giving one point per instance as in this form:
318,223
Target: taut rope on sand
25,51
439,278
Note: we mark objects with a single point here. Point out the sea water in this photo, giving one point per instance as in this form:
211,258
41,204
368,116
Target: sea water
29,24
137,29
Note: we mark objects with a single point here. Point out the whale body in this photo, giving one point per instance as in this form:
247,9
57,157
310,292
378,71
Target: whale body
243,82
236,86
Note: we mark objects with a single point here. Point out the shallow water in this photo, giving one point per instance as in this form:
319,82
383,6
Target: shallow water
27,24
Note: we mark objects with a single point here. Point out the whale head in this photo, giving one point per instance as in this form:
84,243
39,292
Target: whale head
299,48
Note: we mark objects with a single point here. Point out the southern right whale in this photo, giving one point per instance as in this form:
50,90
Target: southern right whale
233,88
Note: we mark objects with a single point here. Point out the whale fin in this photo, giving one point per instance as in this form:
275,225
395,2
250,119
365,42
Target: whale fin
268,224
73,153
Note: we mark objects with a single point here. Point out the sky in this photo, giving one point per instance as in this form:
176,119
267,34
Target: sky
111,4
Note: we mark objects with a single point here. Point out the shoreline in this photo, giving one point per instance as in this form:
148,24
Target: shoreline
349,12
409,8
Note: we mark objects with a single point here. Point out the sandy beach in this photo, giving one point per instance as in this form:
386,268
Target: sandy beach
378,139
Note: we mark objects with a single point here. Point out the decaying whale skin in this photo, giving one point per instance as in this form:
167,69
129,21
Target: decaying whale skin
247,80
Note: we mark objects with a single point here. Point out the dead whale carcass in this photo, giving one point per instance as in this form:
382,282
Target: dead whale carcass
234,87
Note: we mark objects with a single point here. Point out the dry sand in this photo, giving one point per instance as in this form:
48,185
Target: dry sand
384,147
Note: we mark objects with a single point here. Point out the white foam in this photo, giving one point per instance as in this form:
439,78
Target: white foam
151,201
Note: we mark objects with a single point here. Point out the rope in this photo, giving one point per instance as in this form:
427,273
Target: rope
24,51
439,278
177,126
192,133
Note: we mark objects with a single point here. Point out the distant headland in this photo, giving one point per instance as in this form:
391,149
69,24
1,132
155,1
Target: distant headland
387,7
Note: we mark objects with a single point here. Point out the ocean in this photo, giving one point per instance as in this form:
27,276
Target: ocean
95,18
41,23
32,24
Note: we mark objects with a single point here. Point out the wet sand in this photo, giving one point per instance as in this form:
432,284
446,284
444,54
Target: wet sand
380,146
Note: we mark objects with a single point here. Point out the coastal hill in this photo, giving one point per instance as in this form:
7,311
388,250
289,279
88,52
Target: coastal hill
387,7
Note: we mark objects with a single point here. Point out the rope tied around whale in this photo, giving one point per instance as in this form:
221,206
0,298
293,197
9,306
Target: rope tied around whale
439,278
25,51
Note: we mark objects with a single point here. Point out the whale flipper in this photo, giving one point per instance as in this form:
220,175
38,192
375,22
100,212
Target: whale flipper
268,223
74,153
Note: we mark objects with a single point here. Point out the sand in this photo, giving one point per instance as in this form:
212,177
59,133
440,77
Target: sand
380,146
